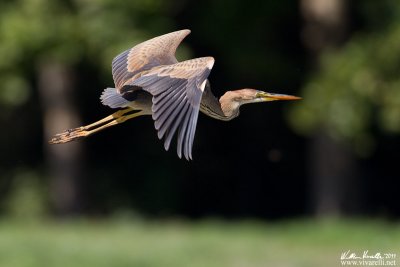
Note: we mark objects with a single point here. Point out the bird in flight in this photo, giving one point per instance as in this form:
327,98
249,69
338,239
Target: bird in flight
150,81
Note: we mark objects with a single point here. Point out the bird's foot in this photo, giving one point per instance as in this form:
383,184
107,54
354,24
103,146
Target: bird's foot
83,131
69,135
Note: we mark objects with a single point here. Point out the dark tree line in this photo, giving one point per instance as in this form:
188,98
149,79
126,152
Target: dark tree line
330,154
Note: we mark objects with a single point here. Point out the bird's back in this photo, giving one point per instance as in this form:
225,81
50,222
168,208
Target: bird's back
145,56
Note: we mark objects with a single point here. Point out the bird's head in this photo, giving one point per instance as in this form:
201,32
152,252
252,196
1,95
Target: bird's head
232,100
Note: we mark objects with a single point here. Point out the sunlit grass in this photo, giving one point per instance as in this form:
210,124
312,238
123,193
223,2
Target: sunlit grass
118,243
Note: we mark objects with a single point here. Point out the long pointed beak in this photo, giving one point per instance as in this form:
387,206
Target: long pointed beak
272,97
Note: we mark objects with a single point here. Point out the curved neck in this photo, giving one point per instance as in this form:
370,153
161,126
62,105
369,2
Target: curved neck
213,108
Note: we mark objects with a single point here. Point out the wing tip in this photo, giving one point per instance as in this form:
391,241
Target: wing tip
210,62
181,34
185,31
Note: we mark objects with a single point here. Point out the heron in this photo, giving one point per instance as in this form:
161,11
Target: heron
149,80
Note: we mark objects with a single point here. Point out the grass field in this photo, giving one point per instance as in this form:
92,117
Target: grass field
208,243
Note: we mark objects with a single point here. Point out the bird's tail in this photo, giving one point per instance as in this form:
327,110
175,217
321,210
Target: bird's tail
112,98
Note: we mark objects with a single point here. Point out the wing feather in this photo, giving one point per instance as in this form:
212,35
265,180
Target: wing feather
168,95
163,124
168,104
171,131
181,134
145,56
177,90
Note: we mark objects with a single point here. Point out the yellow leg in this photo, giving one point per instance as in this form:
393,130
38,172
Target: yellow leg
113,116
83,131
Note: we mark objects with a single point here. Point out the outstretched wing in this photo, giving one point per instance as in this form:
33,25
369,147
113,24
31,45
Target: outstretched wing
177,90
144,56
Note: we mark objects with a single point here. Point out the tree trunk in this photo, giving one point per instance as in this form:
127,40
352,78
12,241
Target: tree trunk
333,177
332,166
64,162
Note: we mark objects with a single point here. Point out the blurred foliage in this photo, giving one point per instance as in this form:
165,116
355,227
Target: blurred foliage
355,94
83,35
27,196
69,31
118,243
256,43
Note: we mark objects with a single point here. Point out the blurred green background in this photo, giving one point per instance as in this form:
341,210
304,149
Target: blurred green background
284,184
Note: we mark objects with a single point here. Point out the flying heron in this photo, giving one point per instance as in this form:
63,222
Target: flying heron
150,81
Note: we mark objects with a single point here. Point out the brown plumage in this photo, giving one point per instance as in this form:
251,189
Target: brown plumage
150,80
